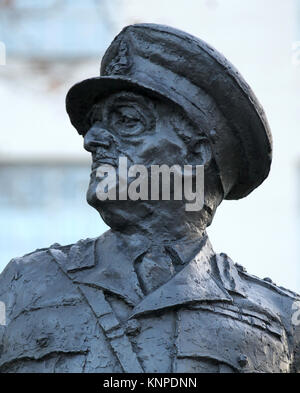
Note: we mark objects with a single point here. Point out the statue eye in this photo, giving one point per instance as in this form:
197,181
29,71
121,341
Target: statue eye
95,114
127,120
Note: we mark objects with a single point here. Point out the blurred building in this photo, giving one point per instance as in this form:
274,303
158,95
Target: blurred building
44,171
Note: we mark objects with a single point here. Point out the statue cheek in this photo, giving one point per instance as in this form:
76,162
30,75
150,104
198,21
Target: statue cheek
162,151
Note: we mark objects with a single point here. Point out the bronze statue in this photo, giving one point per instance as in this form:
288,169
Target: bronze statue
150,295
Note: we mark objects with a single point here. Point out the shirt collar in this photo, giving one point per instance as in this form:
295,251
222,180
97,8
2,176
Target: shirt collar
200,279
196,282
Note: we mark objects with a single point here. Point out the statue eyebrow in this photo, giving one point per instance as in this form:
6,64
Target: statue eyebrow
92,112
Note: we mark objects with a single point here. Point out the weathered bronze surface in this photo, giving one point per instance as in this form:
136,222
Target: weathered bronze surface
150,295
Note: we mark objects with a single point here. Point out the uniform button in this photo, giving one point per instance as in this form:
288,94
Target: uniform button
55,245
133,327
243,360
267,279
42,341
240,267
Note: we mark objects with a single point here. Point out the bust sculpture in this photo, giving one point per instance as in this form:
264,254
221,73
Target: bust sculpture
150,294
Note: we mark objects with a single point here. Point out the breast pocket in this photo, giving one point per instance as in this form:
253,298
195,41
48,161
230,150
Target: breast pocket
47,333
243,342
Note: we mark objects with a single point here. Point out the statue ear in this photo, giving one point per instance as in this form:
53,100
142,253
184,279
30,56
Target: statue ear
201,149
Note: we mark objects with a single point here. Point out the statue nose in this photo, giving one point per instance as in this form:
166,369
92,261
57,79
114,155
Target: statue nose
97,137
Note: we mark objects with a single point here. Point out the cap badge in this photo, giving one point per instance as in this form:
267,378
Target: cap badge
120,64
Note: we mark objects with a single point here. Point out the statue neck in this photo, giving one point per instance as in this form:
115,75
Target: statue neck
159,223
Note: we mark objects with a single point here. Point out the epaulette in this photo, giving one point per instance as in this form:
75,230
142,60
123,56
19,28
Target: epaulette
74,257
267,283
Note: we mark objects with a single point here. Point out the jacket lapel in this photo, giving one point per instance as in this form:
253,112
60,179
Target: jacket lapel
229,275
79,256
106,263
114,269
194,283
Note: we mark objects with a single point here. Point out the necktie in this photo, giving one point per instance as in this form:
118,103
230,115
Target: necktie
154,268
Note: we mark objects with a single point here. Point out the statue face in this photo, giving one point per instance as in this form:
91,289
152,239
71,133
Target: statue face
127,124
145,131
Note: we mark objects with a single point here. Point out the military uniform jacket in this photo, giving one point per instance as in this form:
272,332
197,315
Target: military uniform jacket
81,308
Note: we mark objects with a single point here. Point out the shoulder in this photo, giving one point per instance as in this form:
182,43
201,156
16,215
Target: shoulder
42,305
266,282
235,278
265,298
283,303
263,293
266,292
39,278
38,261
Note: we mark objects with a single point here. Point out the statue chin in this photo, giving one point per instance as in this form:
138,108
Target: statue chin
120,214
155,219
